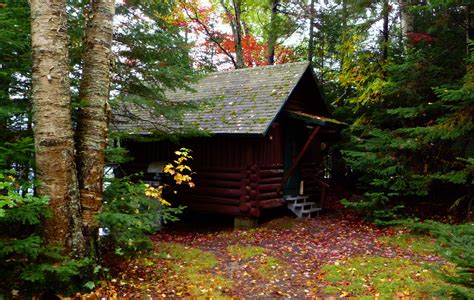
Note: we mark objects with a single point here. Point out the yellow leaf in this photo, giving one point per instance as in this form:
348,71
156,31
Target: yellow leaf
164,202
344,294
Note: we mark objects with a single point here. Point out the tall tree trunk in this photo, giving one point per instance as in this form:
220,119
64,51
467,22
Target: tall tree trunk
54,143
92,124
239,55
311,32
235,25
385,33
344,28
469,20
272,36
407,17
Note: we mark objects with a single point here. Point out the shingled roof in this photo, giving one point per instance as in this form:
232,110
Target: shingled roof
243,101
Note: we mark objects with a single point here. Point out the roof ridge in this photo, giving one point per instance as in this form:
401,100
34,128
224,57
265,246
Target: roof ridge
259,67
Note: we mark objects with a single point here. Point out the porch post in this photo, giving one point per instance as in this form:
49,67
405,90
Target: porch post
300,156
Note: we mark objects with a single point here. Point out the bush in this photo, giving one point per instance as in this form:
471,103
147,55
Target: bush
128,216
132,211
456,244
28,265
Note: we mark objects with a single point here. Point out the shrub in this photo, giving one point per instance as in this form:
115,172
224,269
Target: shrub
129,216
28,265
133,211
456,244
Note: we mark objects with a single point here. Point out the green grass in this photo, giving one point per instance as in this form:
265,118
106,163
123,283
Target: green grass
265,266
387,277
245,252
194,270
417,244
269,267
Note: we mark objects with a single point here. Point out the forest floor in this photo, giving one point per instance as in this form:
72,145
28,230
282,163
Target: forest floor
331,256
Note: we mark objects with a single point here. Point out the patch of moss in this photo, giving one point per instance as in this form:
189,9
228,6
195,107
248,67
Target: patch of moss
386,277
269,267
194,271
264,266
417,244
245,252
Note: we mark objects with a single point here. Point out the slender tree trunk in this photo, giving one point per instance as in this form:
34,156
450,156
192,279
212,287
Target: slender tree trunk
407,17
344,28
469,26
385,33
54,143
311,32
235,25
272,32
92,125
239,55
323,39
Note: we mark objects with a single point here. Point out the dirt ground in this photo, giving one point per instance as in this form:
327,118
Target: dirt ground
282,257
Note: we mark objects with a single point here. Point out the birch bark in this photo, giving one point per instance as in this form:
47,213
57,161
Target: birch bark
93,116
53,133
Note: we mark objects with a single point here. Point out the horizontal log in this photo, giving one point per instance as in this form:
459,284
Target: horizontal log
271,180
271,167
253,194
255,178
254,212
271,173
220,192
244,198
220,176
244,207
270,203
217,208
220,170
218,183
262,188
192,199
263,196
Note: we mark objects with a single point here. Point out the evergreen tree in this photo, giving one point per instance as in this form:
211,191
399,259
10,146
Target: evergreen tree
410,141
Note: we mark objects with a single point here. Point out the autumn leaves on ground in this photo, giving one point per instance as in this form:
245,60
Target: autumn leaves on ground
329,256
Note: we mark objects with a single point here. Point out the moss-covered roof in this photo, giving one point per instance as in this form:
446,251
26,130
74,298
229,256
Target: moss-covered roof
243,101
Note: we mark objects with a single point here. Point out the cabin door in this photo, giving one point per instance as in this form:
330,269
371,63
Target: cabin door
294,141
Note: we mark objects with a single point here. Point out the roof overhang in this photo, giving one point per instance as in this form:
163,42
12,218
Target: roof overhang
316,120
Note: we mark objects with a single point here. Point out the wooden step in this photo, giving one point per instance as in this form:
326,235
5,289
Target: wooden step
301,207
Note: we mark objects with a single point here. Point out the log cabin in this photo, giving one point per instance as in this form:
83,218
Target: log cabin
268,127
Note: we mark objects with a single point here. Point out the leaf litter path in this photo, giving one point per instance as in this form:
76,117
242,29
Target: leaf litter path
282,258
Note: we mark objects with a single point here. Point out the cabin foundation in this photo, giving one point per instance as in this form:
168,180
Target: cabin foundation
245,222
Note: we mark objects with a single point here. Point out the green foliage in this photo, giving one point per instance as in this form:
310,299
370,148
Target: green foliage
117,155
418,244
159,62
411,139
387,277
456,244
28,265
129,216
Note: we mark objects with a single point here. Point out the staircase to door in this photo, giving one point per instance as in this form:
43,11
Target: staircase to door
301,207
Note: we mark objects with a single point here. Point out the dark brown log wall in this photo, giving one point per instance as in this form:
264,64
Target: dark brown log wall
235,191
234,175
